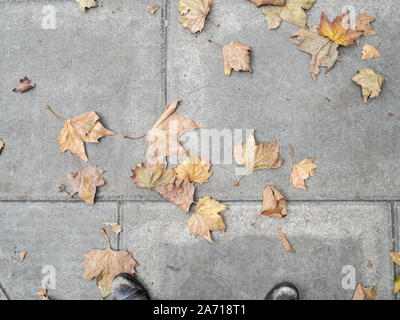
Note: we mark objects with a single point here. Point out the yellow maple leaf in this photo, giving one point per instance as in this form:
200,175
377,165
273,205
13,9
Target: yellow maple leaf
194,14
194,169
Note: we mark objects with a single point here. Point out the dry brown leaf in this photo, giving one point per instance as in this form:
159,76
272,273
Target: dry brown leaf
24,85
324,52
104,265
274,203
42,294
369,52
370,264
286,243
301,171
370,82
364,293
363,23
114,227
1,144
22,256
83,4
152,175
395,256
396,287
291,11
153,9
206,218
83,128
85,182
339,30
257,157
163,138
179,192
193,14
260,3
194,169
237,57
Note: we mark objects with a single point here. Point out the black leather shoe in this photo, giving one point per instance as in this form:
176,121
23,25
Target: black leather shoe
126,287
283,291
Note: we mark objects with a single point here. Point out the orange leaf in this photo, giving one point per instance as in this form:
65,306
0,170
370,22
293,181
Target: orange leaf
339,30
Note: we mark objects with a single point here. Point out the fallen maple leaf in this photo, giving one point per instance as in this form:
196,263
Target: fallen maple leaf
114,227
194,14
339,30
285,242
257,157
42,294
22,256
274,203
301,171
153,9
363,23
83,128
83,4
1,144
194,169
152,175
395,256
178,192
163,138
104,265
364,293
396,287
24,85
260,3
85,182
291,11
237,57
369,52
370,82
324,52
206,218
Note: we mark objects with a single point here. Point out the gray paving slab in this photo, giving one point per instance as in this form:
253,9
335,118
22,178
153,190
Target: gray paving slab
55,236
356,147
108,59
245,262
396,244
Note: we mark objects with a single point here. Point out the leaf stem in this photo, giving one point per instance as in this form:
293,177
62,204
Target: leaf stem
219,45
241,177
255,220
54,114
134,138
107,237
212,22
292,151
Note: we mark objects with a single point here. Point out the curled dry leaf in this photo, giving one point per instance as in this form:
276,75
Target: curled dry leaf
153,9
83,128
364,293
104,265
1,144
260,3
178,192
274,203
152,175
237,57
24,85
395,256
370,82
206,218
194,169
291,11
193,14
285,242
369,52
339,30
257,157
302,171
363,23
42,294
85,181
22,256
83,4
114,227
324,52
163,138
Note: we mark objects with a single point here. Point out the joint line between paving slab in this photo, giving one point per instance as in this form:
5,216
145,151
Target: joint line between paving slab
119,222
395,247
4,292
164,51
